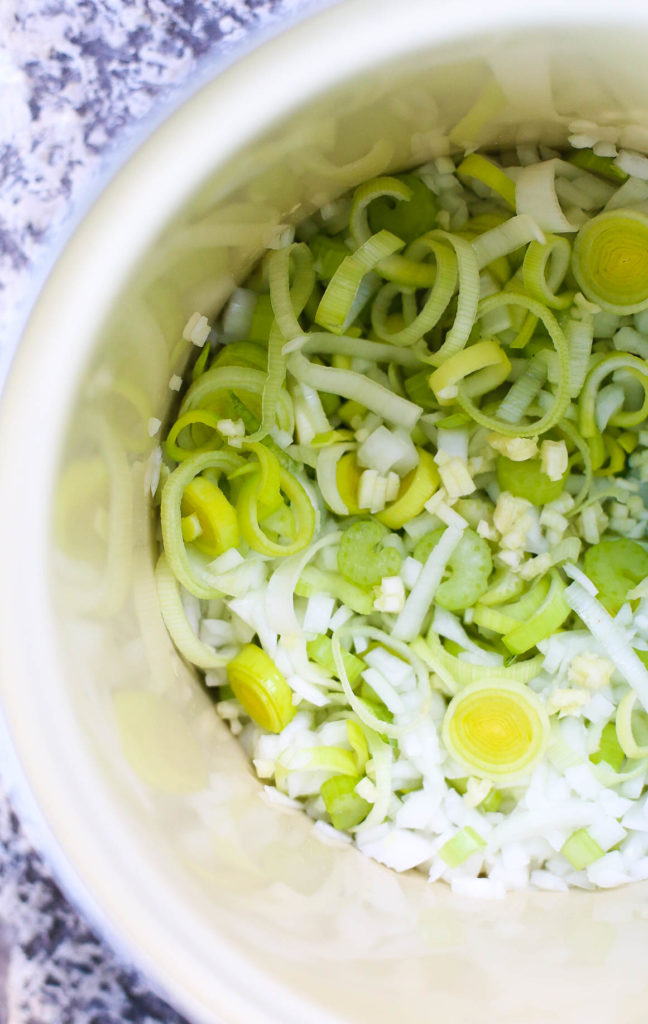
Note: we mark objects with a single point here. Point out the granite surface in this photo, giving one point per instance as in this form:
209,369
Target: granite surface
77,79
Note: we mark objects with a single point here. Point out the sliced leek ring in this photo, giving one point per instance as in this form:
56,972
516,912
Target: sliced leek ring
497,728
610,261
261,688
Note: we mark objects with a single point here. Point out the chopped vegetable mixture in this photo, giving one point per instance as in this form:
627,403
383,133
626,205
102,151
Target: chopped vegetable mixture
403,520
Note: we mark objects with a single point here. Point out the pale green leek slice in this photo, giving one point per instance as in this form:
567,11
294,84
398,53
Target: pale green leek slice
345,808
462,846
581,850
610,261
261,689
497,729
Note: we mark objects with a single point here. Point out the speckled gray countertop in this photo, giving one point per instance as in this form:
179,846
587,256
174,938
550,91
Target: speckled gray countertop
77,79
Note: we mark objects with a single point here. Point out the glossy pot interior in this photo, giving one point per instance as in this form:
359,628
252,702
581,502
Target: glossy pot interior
158,828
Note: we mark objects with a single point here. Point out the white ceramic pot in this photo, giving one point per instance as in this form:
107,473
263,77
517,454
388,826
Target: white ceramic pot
146,805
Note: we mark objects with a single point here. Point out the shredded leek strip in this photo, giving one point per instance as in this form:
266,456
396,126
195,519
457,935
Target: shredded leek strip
526,332
456,673
204,416
222,381
288,300
193,574
410,619
357,387
287,303
340,344
544,270
535,195
435,304
543,623
624,729
337,301
269,493
247,509
479,368
402,650
484,170
608,364
611,637
573,437
467,300
358,705
327,479
381,758
580,335
560,402
505,238
175,619
280,591
522,393
402,270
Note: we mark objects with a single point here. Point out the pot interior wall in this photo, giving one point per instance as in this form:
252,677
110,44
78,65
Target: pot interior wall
352,940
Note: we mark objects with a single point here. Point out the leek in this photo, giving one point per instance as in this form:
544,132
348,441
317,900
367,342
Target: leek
610,261
497,729
261,689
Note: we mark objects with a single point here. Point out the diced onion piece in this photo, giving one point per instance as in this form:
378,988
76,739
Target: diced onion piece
498,729
385,450
610,261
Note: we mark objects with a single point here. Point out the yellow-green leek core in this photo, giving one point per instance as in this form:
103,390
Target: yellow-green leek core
261,689
497,728
610,261
208,519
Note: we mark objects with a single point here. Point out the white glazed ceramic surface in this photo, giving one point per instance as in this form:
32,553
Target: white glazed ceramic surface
157,827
